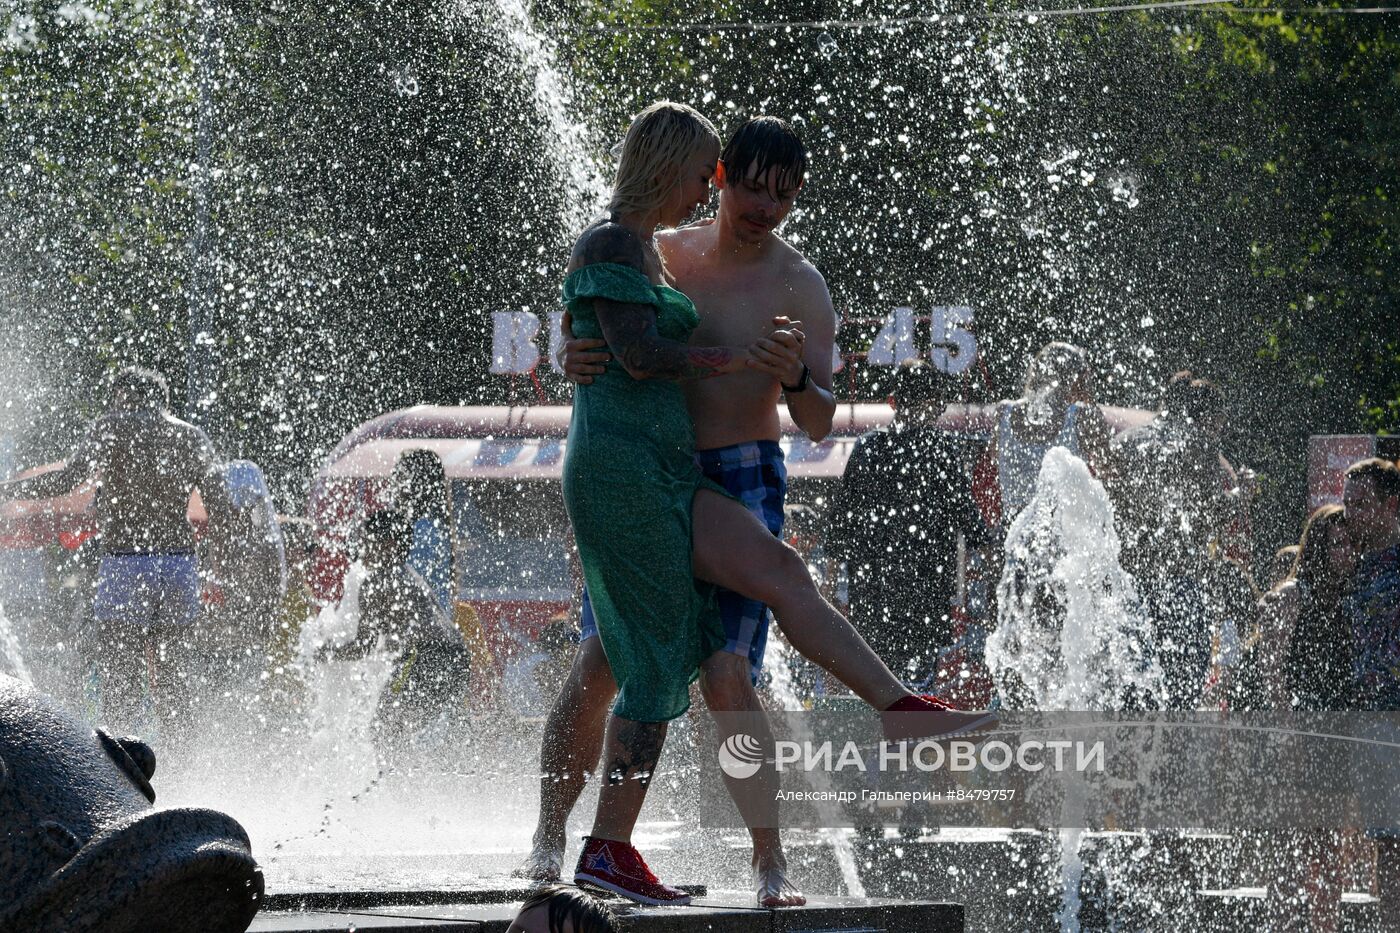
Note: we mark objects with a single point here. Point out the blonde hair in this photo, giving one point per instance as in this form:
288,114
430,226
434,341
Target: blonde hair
659,138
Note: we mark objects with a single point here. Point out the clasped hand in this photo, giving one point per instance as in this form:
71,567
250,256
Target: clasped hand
780,353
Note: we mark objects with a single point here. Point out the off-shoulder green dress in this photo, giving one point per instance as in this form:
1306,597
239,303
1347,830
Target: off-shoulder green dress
629,478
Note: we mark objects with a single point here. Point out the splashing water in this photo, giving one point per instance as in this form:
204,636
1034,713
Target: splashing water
11,659
567,138
1070,633
335,625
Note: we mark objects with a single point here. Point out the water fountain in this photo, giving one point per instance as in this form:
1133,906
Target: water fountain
960,158
1070,633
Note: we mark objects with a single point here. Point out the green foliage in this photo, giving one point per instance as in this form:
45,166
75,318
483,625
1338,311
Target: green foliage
378,181
1202,189
1211,189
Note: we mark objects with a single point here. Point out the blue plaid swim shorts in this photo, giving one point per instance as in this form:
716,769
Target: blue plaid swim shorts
752,472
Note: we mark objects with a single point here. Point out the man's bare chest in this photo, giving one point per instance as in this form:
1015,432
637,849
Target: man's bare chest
734,312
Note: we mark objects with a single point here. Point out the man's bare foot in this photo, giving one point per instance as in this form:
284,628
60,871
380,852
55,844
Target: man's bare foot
544,863
773,887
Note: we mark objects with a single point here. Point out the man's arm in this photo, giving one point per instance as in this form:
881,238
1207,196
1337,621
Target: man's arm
581,358
783,356
81,464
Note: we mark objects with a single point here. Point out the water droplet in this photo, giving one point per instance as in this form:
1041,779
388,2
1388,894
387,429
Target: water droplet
406,84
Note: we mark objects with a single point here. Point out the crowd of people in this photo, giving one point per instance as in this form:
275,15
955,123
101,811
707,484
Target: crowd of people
1318,635
173,617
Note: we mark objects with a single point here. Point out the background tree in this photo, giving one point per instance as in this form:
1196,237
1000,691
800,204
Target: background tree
1202,188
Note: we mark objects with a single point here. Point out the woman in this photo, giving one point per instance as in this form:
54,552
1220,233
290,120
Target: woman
1056,409
1309,669
647,523
1303,616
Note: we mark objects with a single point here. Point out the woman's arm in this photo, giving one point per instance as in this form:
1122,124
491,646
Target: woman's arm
630,329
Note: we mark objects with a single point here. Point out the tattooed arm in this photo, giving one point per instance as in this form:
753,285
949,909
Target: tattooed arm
630,329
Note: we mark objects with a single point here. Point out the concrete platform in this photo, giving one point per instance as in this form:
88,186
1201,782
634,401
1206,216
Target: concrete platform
343,900
1246,909
721,912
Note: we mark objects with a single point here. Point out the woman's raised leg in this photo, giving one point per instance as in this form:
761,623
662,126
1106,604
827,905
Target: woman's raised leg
733,549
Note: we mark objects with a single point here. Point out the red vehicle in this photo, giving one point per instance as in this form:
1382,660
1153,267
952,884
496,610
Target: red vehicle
514,548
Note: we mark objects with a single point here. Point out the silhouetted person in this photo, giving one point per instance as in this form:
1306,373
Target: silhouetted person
420,490
1057,408
1174,494
1372,497
1306,622
147,463
399,613
905,496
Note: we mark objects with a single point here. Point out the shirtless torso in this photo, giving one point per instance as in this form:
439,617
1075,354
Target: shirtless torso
737,297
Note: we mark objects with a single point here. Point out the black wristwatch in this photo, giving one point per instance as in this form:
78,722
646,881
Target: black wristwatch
801,383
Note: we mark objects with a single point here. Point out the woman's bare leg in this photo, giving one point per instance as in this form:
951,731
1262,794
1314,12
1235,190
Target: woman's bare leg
569,750
630,753
733,549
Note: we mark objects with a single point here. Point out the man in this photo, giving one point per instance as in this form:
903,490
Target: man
905,497
1371,497
399,611
147,463
1174,493
740,274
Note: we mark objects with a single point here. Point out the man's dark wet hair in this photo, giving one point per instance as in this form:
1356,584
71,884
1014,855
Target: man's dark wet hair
917,382
581,911
1192,398
143,387
765,143
1384,476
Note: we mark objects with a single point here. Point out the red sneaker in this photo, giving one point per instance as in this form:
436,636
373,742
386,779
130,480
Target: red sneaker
924,716
618,867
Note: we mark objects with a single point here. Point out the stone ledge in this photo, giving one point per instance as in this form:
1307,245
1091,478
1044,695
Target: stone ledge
721,913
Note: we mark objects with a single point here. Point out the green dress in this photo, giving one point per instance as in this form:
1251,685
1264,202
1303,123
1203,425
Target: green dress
629,478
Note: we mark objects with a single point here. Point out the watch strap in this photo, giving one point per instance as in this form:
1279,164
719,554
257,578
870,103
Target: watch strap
801,383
